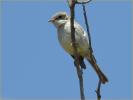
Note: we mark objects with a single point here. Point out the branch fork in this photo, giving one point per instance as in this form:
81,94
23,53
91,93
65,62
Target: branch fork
72,4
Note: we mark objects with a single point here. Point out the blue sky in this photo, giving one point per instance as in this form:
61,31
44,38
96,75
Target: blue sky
34,65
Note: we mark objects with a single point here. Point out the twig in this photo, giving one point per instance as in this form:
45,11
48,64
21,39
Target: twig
91,50
88,31
80,73
79,70
98,90
83,2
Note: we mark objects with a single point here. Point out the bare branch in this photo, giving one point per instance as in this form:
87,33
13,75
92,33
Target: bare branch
98,91
91,50
83,1
76,56
87,27
78,1
79,70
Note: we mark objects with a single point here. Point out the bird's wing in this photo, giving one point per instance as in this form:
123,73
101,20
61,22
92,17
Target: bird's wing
81,35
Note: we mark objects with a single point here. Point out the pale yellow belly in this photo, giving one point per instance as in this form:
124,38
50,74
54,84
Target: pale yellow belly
67,46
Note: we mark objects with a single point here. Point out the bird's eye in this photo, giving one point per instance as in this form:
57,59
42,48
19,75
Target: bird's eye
60,17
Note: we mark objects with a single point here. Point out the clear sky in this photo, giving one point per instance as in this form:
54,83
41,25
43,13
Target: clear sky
34,66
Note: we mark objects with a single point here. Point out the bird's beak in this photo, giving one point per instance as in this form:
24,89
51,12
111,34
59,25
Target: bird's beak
51,20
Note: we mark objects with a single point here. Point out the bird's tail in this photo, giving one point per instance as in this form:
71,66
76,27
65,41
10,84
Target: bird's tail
100,74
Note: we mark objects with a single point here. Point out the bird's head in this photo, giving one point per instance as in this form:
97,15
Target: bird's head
59,19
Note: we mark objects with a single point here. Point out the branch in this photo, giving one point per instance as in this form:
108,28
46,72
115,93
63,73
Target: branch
82,1
79,70
91,51
88,31
78,1
80,73
98,91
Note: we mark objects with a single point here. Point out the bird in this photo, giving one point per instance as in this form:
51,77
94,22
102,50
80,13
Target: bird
61,21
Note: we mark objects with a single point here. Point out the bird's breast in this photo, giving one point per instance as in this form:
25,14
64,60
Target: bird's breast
64,38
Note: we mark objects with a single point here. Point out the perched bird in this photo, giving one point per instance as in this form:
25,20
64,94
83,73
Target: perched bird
62,22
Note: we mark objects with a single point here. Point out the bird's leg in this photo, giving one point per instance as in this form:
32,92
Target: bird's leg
82,63
81,59
98,90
